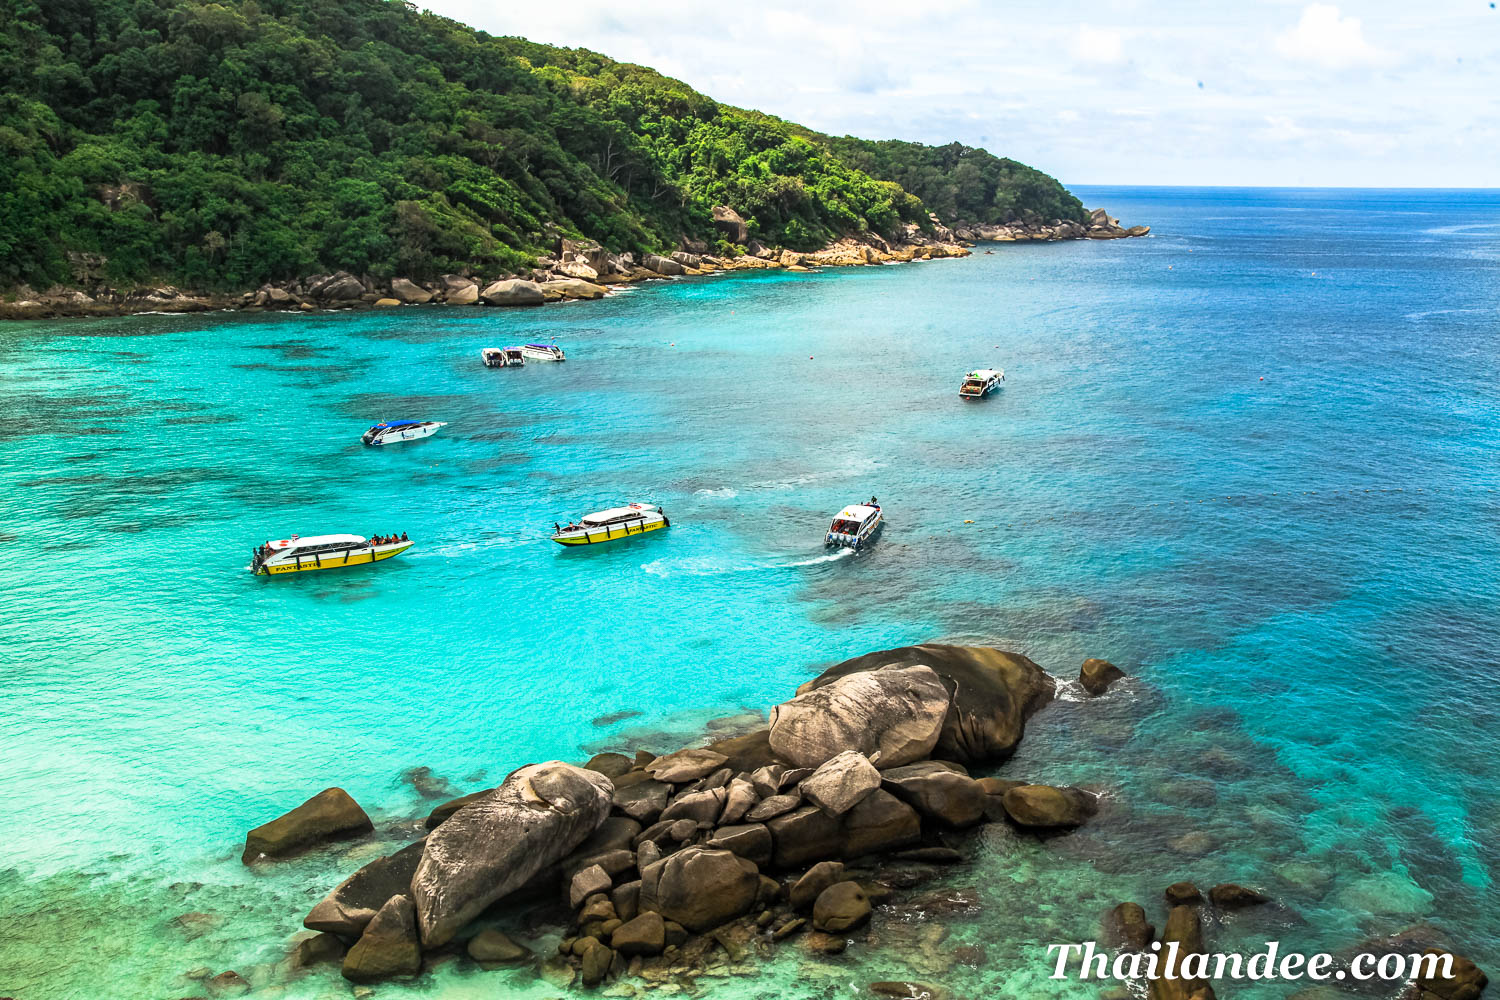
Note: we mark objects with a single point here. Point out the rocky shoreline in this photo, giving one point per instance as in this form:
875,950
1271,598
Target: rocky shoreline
652,872
575,270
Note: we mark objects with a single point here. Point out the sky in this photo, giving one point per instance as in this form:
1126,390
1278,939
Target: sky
1377,94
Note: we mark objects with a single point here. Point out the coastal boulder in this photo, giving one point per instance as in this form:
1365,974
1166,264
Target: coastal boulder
354,902
702,808
841,907
466,295
661,265
699,888
641,800
409,291
730,224
881,822
939,790
513,292
1044,806
991,692
1185,927
388,947
442,812
1467,982
810,886
685,765
572,288
1229,896
491,947
494,846
330,815
339,287
891,716
840,783
751,841
1097,675
1126,928
646,934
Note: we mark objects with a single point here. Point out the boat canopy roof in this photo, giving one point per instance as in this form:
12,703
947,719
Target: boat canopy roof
299,542
984,373
397,423
545,347
614,513
858,512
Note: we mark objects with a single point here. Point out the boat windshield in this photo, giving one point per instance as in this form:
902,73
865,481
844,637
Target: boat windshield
845,527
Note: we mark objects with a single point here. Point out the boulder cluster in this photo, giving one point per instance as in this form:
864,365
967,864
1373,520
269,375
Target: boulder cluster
736,845
575,269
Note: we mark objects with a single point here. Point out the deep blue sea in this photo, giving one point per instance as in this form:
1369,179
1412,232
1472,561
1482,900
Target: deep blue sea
1251,459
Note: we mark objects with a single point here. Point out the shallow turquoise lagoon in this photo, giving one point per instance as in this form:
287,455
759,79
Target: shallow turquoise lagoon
1251,459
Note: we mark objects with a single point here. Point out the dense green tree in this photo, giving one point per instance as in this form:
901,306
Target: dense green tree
222,144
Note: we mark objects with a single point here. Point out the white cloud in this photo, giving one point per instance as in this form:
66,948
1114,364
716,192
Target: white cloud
1098,45
1326,38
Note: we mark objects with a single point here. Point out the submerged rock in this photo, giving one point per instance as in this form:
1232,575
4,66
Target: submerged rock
1230,896
939,790
491,947
992,695
1183,894
330,815
497,844
388,947
1126,928
1185,927
891,716
1467,982
841,907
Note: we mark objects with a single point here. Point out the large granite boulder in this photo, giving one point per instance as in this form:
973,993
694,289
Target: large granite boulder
443,811
354,902
1045,806
513,292
992,692
840,783
573,288
661,265
1127,929
339,287
881,822
332,814
685,765
1466,983
389,945
810,886
494,846
699,888
491,947
841,907
939,790
464,295
730,224
702,808
409,291
892,716
1185,927
751,841
646,934
641,798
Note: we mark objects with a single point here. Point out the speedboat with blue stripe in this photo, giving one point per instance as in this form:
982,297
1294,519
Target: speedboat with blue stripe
392,431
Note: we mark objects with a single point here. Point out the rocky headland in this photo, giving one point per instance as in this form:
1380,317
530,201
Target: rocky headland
576,270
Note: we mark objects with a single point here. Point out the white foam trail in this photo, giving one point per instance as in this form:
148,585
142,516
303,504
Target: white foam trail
723,493
705,566
453,549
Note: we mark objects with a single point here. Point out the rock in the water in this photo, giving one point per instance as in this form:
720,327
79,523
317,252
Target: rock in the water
935,789
1127,928
841,782
389,945
1046,806
491,947
354,902
892,716
685,765
1229,896
228,984
1097,675
1466,983
699,888
317,949
330,815
409,291
840,907
993,694
596,962
645,935
586,883
572,288
452,806
496,845
611,765
1183,894
513,292
1185,927
749,840
810,886
825,944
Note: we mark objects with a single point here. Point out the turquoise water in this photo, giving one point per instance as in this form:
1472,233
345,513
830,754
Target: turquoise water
1251,459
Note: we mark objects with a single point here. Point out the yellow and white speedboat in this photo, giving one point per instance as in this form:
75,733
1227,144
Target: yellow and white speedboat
301,555
616,522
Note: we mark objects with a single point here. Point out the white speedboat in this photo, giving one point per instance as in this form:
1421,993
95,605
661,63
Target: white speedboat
392,431
855,526
543,352
616,522
315,552
981,382
503,357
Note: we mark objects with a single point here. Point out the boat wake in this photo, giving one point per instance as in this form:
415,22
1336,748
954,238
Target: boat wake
709,566
455,549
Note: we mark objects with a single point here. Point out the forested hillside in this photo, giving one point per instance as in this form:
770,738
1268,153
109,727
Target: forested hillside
220,145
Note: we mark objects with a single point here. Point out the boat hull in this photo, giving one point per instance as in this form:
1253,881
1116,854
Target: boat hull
360,556
865,537
539,354
404,434
610,533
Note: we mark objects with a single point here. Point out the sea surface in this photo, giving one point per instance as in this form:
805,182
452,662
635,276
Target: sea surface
1251,459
